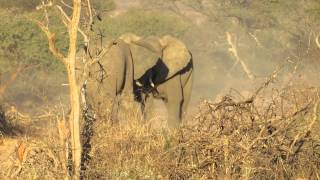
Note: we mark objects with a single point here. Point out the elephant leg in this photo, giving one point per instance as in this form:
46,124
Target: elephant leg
114,110
148,107
174,101
187,89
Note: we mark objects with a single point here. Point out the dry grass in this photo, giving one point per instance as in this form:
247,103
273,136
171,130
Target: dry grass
274,136
30,147
271,135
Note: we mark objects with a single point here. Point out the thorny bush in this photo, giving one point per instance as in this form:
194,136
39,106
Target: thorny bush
256,138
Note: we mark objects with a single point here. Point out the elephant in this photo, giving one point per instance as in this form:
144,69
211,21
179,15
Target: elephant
163,69
108,78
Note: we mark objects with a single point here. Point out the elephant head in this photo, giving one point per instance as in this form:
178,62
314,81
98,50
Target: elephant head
168,75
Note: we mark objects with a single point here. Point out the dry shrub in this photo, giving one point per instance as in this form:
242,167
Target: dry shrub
257,138
24,158
37,161
8,126
32,149
270,136
3,121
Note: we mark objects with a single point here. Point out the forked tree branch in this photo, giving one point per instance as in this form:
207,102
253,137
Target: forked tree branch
66,20
52,42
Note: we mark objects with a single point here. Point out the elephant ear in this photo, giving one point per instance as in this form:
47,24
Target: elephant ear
143,59
175,55
151,43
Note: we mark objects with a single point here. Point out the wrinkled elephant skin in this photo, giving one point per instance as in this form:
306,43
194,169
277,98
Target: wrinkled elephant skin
163,69
109,80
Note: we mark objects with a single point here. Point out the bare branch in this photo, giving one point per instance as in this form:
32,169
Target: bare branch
51,41
44,6
64,17
65,4
256,39
96,59
90,15
66,20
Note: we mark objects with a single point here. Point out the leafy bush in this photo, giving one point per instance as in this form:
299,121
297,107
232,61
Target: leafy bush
22,5
103,5
23,42
30,5
143,23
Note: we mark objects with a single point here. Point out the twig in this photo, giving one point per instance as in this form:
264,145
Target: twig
96,59
266,83
306,133
44,6
65,4
66,20
256,39
90,15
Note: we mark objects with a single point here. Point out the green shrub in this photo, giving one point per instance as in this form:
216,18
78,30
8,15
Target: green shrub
143,23
103,5
23,42
22,5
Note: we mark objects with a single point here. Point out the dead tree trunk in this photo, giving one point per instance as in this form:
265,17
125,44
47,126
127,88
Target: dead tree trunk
74,90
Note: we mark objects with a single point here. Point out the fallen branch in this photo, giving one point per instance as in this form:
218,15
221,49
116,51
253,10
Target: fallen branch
234,51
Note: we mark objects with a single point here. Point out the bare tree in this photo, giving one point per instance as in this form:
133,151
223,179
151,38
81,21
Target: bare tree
69,61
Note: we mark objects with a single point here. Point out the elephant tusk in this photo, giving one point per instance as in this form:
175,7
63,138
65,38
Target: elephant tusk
151,83
138,83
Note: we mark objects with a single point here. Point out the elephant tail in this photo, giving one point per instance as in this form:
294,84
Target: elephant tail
189,71
129,71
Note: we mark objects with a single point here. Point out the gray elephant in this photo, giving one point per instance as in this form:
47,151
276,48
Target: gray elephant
163,69
108,78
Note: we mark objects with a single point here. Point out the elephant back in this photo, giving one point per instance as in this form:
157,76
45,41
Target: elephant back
143,59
